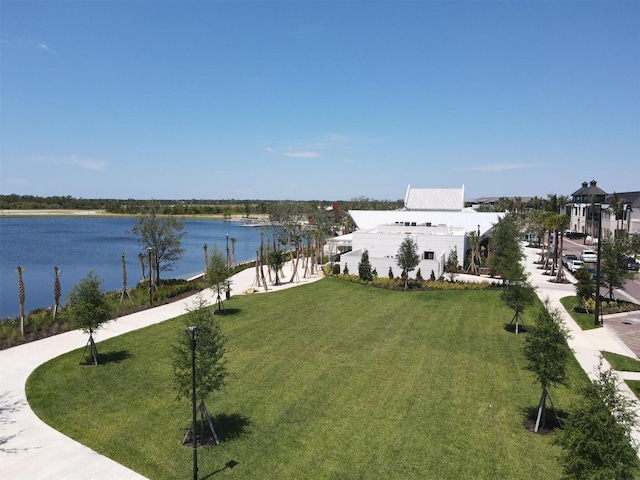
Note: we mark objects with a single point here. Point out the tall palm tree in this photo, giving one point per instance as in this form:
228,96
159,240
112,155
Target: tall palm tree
21,298
206,258
57,291
124,280
563,201
618,206
141,260
591,217
562,223
233,251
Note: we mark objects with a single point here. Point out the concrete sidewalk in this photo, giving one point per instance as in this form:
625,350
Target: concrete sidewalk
31,449
587,344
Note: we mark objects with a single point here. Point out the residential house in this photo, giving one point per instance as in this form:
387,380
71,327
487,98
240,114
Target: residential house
586,204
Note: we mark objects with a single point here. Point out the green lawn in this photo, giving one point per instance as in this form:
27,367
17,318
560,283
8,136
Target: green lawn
329,380
622,363
586,321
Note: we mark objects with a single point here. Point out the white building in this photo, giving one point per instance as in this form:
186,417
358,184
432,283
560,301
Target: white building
437,221
586,203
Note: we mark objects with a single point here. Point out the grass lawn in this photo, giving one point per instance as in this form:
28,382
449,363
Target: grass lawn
634,385
329,380
584,320
622,363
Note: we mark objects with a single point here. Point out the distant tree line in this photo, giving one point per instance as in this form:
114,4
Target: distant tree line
132,206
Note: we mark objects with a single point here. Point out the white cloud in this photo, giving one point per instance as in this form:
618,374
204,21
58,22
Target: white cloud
74,161
87,163
496,167
270,150
46,47
302,154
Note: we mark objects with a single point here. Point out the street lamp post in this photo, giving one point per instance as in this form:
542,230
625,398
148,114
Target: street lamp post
193,332
150,279
597,320
228,291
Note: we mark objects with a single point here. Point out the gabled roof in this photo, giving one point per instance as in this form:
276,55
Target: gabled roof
469,220
447,199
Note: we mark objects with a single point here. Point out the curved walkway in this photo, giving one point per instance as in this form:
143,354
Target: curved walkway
31,449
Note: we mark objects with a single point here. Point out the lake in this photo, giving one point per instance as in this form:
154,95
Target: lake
79,244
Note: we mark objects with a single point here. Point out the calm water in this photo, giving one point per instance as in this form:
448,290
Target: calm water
78,245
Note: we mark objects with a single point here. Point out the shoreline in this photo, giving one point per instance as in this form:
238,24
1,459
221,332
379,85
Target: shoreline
103,213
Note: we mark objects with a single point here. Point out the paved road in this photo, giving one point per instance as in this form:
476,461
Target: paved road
631,290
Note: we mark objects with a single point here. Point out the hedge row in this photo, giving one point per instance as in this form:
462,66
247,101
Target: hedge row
419,285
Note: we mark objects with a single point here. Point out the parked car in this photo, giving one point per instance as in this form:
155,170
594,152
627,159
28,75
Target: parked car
574,265
592,271
589,256
631,263
567,258
573,235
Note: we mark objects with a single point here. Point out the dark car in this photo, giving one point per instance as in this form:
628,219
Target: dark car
631,263
574,235
569,257
592,271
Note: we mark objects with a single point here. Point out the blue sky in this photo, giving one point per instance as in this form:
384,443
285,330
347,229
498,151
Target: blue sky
317,100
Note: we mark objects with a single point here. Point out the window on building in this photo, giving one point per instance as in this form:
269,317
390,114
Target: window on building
428,255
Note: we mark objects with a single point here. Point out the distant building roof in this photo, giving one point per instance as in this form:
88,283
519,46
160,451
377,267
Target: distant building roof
448,199
632,198
588,189
469,220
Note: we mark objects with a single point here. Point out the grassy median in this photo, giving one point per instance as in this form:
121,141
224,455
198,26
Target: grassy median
329,380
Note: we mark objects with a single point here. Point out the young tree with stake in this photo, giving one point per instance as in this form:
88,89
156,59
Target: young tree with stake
210,365
547,353
90,309
518,296
217,275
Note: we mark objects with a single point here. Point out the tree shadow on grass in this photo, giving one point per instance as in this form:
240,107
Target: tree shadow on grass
229,465
113,357
550,423
511,328
230,311
230,426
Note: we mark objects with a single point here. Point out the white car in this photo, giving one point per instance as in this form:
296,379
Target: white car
589,256
573,265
